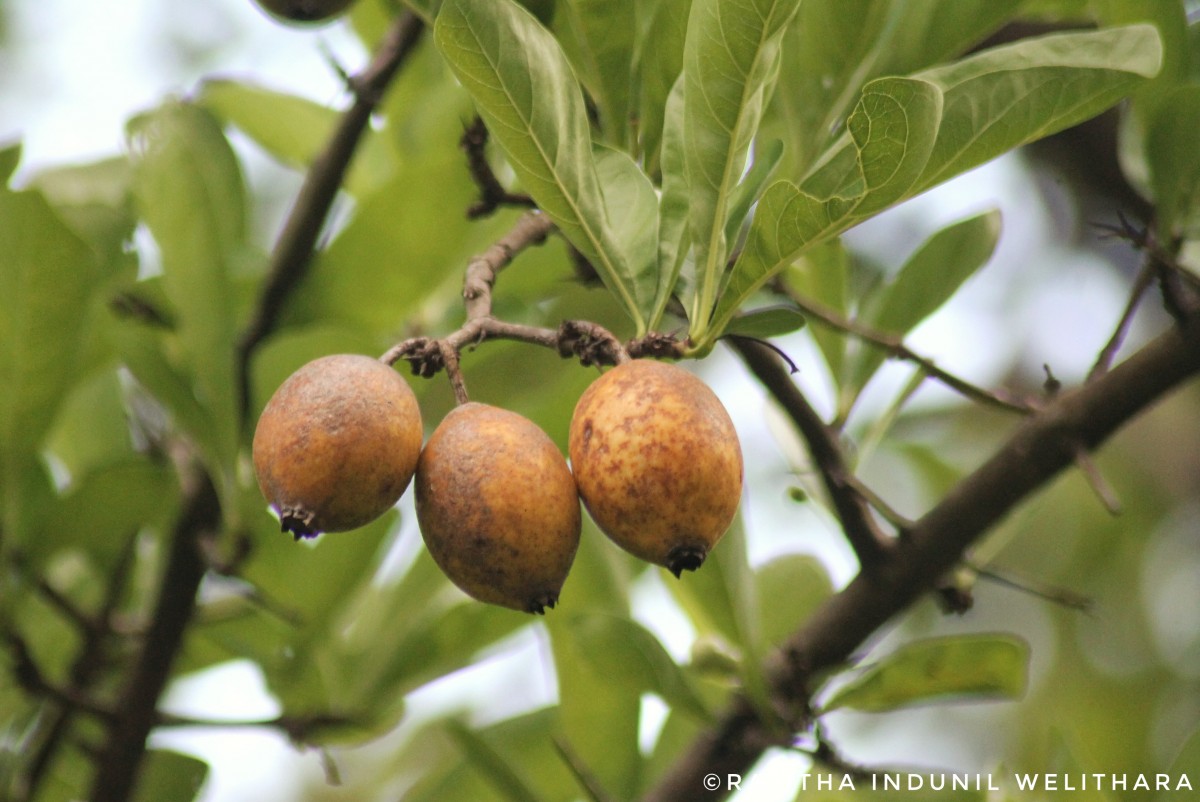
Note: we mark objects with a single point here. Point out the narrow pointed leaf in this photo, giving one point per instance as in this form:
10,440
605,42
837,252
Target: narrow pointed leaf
979,667
632,207
501,775
46,277
1175,162
770,321
926,281
598,37
674,237
657,62
523,86
600,714
729,65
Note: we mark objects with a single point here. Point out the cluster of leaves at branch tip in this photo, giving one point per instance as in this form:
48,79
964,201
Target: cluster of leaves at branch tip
655,459
304,11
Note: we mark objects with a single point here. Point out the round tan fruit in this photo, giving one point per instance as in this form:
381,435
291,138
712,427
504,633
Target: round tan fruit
497,507
304,10
337,444
657,462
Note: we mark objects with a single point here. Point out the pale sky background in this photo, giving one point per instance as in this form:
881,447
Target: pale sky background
72,71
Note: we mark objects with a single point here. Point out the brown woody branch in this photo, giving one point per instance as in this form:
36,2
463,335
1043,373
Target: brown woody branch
591,343
852,509
492,194
136,710
293,254
86,670
1042,446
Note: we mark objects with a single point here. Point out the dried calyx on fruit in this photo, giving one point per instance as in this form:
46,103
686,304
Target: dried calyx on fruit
337,444
657,462
304,10
498,508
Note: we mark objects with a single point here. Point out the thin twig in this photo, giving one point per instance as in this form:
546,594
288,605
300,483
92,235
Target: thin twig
896,347
589,342
1180,288
293,254
531,229
866,538
586,778
1060,596
136,708
86,669
299,729
1095,479
30,677
492,194
1104,361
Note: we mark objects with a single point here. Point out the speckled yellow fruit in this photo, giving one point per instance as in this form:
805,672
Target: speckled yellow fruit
304,10
657,462
337,444
497,507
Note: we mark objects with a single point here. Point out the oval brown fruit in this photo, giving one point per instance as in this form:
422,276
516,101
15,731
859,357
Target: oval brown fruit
497,507
304,10
657,462
337,444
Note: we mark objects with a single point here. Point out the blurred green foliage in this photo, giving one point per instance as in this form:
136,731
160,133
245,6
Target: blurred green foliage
126,283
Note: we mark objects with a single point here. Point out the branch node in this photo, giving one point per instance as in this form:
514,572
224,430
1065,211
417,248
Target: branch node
591,343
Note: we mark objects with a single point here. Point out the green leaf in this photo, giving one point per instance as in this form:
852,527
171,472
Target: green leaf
632,207
92,428
526,741
766,158
47,277
836,46
294,130
1186,762
351,286
627,653
822,274
170,775
936,669
94,199
674,237
729,65
598,38
657,62
927,280
499,772
600,714
719,598
189,191
1009,96
107,507
890,136
767,322
524,89
790,588
10,160
1175,162
371,663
